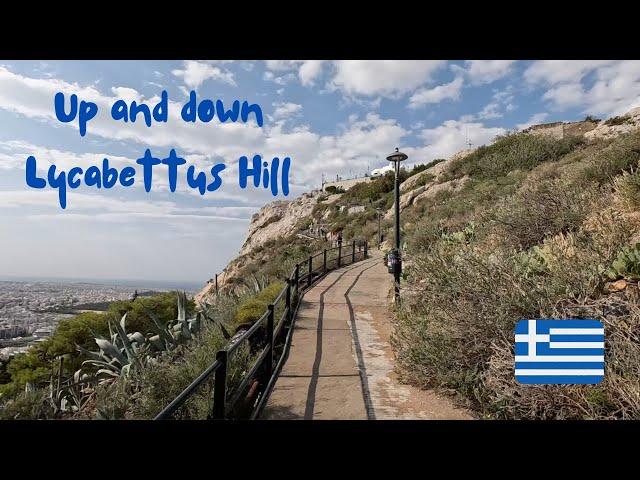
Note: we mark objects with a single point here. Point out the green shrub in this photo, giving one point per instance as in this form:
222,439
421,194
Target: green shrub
159,382
254,307
627,188
35,366
332,189
27,405
512,152
626,264
541,209
621,154
617,121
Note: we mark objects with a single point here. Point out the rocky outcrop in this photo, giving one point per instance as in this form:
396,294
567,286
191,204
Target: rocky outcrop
427,183
277,219
452,185
274,220
616,126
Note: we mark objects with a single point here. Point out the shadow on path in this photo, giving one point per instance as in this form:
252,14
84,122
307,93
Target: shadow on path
315,374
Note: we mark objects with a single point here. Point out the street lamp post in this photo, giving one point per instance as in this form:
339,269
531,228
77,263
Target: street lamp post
379,231
397,157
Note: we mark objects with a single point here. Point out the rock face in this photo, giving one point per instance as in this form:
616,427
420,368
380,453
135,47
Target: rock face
436,171
426,183
277,219
616,126
274,220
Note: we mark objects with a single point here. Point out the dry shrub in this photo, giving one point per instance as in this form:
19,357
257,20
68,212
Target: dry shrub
455,331
542,209
617,396
627,190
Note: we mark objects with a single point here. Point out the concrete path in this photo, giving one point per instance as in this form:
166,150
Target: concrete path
340,365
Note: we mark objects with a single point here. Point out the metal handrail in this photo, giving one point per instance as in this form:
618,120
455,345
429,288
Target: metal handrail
248,333
302,277
180,399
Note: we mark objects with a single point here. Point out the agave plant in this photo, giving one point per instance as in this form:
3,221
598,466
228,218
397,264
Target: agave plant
208,312
124,352
72,395
176,331
118,354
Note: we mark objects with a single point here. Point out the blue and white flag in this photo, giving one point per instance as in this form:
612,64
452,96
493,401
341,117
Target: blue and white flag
559,351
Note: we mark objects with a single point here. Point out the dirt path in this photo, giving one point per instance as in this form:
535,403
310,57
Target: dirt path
340,365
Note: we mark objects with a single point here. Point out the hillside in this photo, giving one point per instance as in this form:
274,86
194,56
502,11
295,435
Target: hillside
541,223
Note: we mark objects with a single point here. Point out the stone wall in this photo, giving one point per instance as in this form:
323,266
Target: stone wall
562,130
346,184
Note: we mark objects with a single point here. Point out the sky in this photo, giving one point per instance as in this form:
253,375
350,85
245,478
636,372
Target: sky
330,117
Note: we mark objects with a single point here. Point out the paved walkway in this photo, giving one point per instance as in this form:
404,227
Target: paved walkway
340,365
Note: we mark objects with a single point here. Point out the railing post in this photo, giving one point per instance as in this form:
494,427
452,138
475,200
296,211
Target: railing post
310,276
339,253
297,280
366,248
220,387
269,360
287,301
324,261
353,252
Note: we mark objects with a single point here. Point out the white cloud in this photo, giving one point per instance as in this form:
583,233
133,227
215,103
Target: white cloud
437,94
487,71
127,94
451,137
500,101
490,111
389,78
282,65
286,109
596,87
309,71
195,73
278,80
535,119
551,72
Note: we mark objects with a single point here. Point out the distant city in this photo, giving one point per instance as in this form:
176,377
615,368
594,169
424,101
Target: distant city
31,310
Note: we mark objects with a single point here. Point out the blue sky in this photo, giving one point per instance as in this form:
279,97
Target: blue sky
330,117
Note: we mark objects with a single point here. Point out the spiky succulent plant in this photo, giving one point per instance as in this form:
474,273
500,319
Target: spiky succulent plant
123,352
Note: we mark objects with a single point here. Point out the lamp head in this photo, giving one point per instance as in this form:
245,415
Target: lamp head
397,156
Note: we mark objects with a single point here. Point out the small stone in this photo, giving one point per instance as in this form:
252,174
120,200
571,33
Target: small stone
617,286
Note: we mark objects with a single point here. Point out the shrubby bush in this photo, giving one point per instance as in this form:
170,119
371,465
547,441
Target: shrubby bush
35,367
542,247
512,152
254,307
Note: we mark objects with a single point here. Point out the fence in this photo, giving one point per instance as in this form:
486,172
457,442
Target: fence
267,340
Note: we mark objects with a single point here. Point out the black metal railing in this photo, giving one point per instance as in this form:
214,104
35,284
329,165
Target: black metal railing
266,342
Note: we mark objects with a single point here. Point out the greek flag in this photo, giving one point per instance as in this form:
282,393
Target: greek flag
559,351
